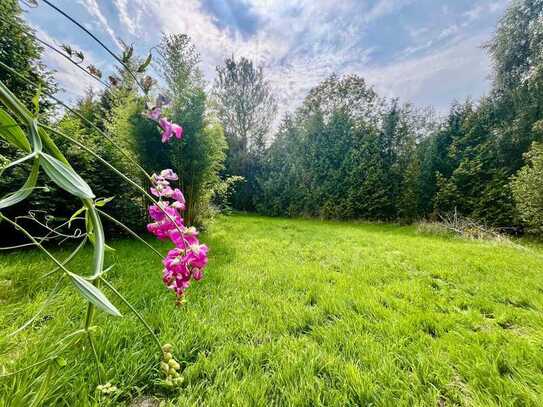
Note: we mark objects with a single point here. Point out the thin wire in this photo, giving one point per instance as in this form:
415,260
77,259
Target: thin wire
52,47
108,138
97,40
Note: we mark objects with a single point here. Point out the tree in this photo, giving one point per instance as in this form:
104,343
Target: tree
346,153
527,187
246,108
20,51
517,47
199,157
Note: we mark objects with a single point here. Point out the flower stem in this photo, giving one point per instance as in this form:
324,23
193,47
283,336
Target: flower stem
118,222
138,315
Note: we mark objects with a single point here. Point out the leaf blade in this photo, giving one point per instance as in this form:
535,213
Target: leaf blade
65,177
94,295
25,190
12,132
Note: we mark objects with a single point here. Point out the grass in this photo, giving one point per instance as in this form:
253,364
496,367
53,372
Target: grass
296,312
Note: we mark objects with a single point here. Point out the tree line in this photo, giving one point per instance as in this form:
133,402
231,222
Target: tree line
345,153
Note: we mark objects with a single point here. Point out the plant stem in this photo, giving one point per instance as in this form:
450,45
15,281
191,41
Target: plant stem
97,40
105,162
96,359
142,320
118,222
81,117
27,234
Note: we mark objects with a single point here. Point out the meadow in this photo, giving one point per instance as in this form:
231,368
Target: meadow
293,312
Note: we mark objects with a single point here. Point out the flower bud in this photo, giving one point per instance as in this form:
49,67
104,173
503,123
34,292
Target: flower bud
172,363
167,356
164,366
167,348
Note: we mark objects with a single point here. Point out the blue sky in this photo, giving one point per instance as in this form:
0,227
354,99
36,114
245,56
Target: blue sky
427,52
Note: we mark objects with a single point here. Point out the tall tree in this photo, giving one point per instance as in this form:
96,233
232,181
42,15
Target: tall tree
517,47
199,157
246,108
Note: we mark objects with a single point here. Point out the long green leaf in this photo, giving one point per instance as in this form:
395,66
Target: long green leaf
65,177
12,132
17,162
25,190
94,295
12,103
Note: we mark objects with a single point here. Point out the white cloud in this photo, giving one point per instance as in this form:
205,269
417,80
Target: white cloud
300,43
439,77
130,20
94,10
74,82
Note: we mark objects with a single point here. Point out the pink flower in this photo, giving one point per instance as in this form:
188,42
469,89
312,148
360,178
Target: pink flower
154,114
166,129
178,196
197,274
169,175
169,129
178,131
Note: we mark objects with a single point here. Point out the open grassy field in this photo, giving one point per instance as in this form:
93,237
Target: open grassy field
296,312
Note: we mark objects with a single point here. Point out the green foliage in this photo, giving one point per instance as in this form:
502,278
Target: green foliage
244,104
345,154
297,312
517,48
527,186
22,53
199,157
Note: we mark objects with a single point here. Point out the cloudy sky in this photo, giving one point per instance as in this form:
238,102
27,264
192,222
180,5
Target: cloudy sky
423,51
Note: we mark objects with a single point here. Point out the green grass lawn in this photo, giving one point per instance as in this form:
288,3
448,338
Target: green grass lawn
296,312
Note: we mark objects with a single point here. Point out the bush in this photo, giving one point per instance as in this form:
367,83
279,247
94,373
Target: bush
527,188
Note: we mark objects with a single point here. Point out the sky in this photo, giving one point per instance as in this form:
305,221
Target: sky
427,52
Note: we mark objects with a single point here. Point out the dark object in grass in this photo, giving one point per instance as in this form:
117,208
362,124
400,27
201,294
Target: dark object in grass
516,231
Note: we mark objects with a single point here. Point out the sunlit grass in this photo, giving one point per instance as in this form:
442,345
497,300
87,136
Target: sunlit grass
298,312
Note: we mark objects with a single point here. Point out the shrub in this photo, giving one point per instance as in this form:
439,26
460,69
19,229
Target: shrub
527,186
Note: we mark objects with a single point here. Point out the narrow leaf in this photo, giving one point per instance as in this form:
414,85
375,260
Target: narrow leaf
102,201
145,64
17,162
65,177
14,104
75,215
94,295
12,132
25,190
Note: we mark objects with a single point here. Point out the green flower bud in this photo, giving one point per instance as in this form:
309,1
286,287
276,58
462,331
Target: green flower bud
171,372
167,348
172,363
164,366
178,381
167,356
